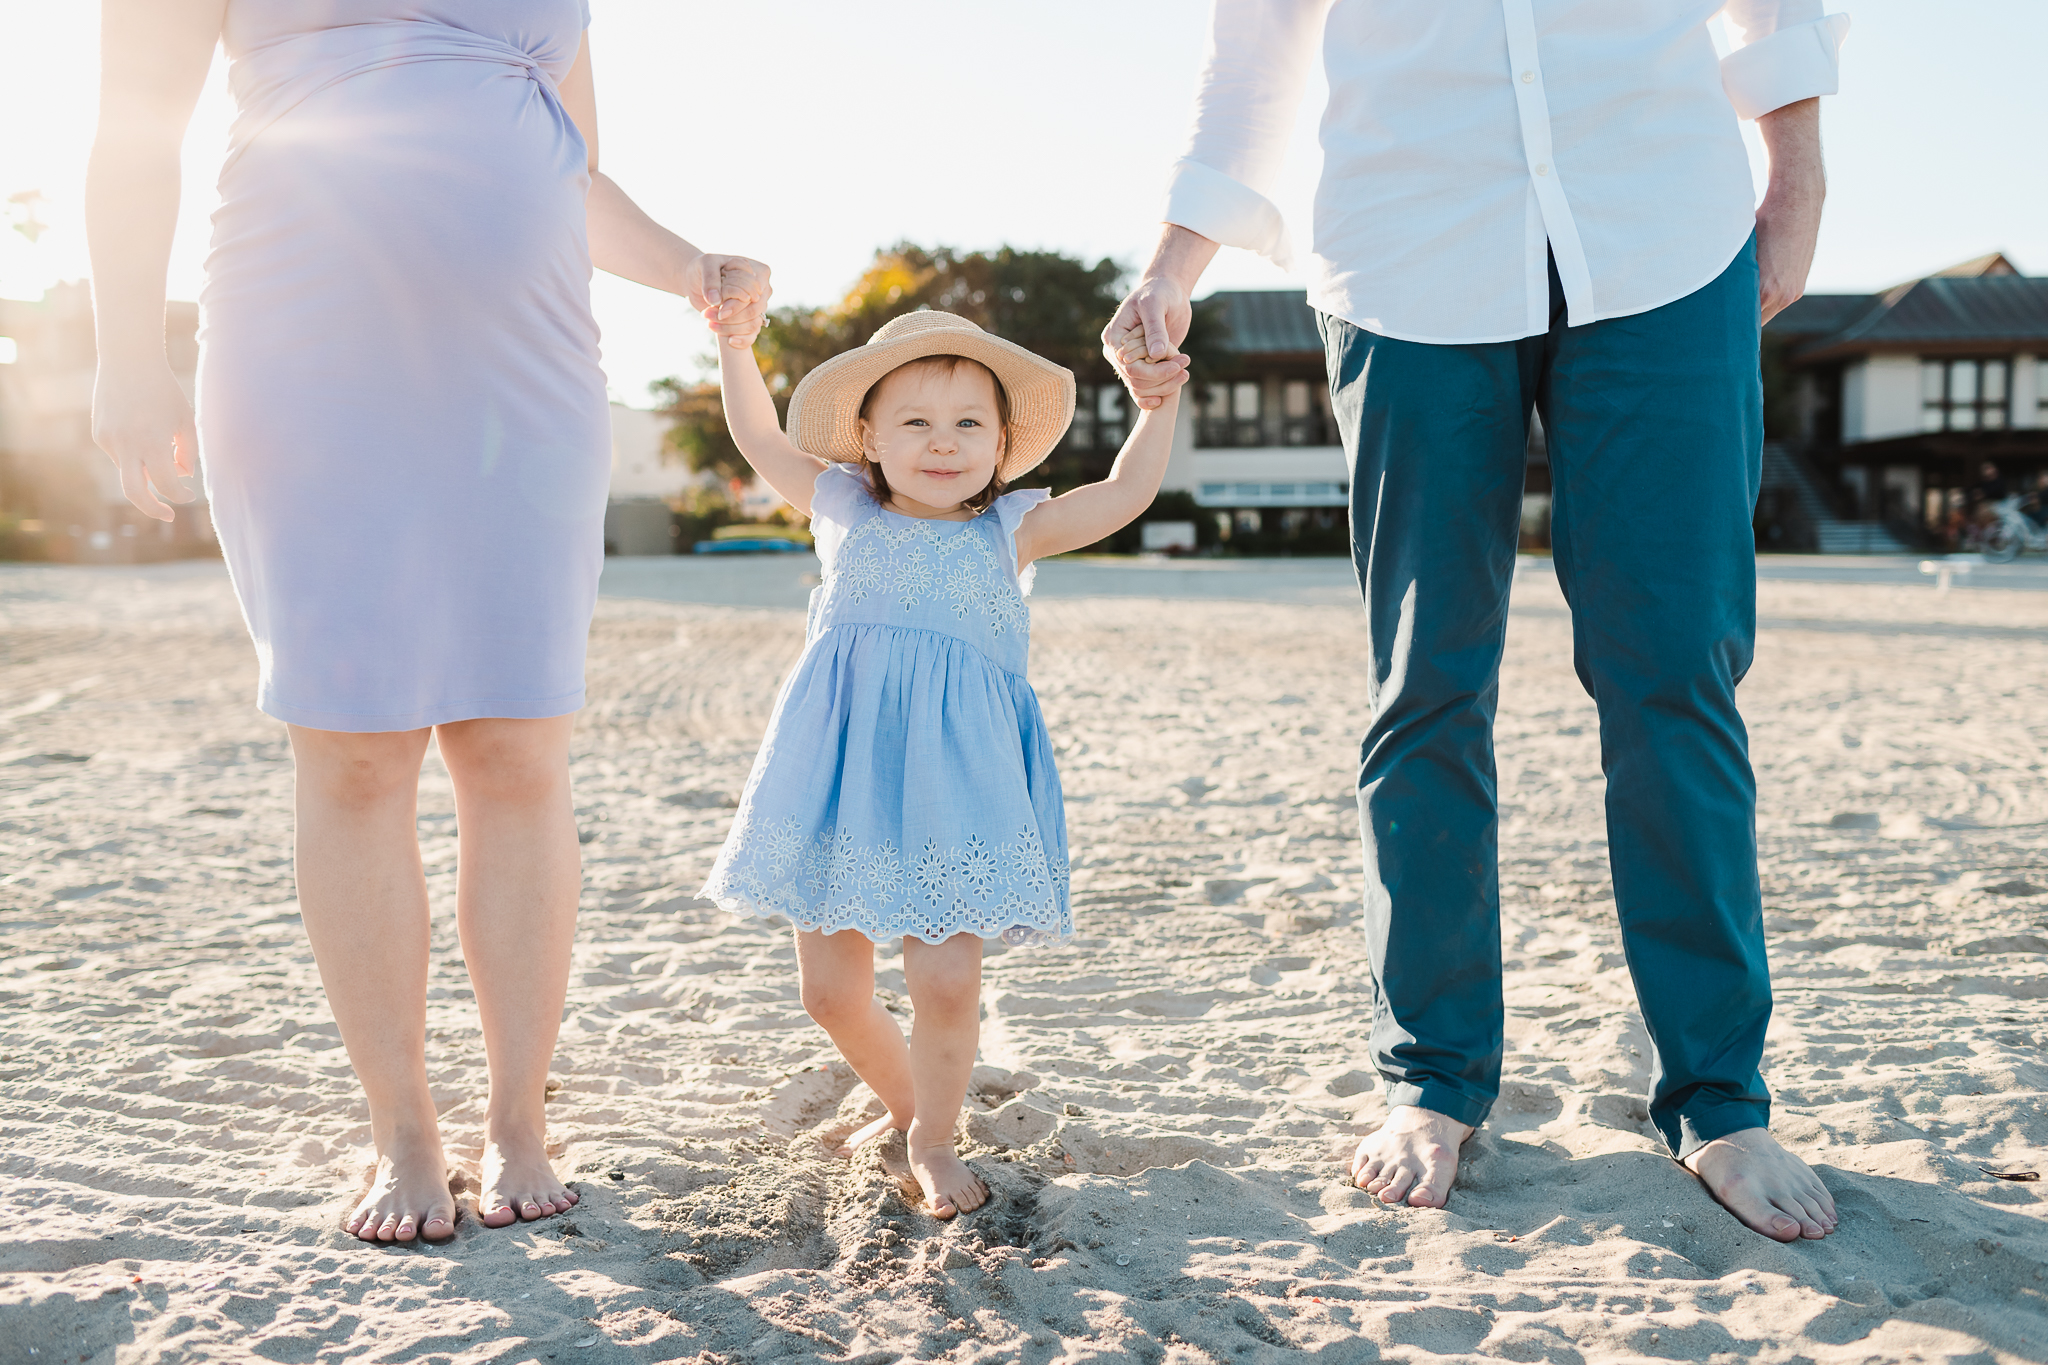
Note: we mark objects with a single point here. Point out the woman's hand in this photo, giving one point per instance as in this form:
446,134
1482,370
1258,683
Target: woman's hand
732,293
141,419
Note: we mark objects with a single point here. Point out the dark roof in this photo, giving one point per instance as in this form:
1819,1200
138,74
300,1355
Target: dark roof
1980,302
1941,311
1991,263
1267,321
1819,314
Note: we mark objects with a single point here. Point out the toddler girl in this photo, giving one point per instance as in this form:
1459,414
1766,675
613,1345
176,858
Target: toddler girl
905,790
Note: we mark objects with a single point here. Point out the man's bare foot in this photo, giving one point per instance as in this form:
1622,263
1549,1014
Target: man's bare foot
868,1132
1768,1189
949,1187
519,1184
408,1196
1411,1158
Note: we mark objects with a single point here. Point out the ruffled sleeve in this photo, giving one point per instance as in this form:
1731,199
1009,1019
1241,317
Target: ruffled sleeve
838,498
1010,509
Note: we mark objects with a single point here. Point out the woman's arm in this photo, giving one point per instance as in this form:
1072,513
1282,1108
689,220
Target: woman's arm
731,291
1092,511
750,416
153,60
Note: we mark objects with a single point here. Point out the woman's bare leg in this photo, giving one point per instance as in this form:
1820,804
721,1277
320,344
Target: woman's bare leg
836,976
945,992
363,899
520,877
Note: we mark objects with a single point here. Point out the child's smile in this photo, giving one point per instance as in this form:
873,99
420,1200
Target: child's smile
937,436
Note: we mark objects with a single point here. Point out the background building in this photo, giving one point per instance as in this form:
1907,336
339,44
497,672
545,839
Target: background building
1888,406
651,483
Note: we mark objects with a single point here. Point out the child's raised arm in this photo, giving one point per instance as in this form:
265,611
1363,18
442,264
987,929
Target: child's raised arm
1088,513
750,416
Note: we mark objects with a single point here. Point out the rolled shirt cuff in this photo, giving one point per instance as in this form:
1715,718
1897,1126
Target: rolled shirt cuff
1203,199
1785,67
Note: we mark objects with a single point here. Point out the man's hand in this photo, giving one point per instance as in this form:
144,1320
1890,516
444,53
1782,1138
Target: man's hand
1788,221
1143,340
141,419
732,293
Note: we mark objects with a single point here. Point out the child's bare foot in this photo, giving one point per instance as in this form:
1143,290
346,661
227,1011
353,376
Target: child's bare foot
868,1132
519,1184
408,1196
1768,1189
950,1188
1411,1158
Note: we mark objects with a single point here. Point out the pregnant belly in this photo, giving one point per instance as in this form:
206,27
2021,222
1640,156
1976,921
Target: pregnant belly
458,185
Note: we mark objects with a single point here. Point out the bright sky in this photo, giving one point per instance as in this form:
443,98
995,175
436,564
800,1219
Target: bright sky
809,132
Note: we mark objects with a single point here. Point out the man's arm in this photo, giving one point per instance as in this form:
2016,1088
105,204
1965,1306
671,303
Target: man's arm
1259,52
1789,57
1788,221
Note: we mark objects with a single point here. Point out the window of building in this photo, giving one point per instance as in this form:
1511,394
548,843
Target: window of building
1302,416
1963,395
9,352
1230,415
1099,418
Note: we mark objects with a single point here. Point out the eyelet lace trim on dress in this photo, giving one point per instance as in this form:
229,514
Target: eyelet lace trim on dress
1012,890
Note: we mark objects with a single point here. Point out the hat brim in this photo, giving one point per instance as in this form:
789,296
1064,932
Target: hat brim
824,412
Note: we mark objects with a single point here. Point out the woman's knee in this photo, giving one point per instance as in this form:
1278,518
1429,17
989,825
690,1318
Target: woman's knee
358,771
506,761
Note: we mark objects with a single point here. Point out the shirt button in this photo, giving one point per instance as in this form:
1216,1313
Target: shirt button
1543,168
1528,76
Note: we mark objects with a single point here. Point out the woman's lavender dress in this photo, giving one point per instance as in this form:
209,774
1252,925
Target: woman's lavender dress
401,414
906,785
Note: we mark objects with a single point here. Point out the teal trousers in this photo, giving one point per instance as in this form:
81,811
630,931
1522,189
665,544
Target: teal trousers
1655,431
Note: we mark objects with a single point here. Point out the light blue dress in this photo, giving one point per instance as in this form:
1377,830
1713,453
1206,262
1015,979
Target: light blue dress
401,415
906,784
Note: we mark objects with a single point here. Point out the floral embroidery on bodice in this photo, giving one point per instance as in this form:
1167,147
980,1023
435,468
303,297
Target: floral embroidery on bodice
949,576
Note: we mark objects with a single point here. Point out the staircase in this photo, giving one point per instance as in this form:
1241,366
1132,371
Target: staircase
1832,534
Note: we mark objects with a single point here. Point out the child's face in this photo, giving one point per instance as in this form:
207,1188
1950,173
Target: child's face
936,434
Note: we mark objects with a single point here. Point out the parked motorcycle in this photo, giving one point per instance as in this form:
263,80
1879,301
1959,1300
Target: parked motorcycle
2009,531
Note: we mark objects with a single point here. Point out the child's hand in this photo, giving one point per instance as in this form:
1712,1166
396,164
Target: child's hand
732,293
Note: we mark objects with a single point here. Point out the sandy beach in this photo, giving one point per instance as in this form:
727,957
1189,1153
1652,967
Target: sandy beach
1163,1104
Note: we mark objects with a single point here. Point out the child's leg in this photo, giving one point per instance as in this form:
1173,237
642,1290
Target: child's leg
836,978
945,990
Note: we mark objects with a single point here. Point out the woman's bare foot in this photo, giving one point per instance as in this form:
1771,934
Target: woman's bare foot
950,1188
1768,1189
408,1196
868,1132
519,1184
1411,1158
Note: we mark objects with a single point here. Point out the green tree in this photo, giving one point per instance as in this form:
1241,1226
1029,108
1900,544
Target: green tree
697,431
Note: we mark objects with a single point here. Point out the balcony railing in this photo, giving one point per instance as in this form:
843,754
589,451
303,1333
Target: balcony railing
1226,432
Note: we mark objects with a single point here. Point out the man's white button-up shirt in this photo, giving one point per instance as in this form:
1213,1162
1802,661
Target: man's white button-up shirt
1466,141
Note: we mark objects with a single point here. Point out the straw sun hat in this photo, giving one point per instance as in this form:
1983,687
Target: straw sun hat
824,412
